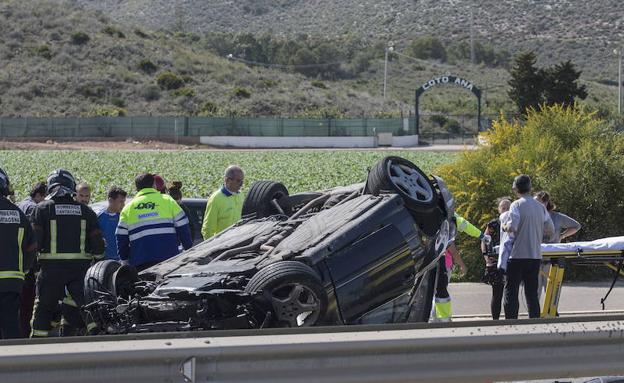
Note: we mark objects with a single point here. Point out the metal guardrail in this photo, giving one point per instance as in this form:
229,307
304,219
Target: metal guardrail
474,352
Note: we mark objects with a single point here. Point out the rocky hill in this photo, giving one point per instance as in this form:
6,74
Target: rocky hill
108,57
584,31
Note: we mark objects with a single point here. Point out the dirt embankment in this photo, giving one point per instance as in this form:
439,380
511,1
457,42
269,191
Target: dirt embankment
97,145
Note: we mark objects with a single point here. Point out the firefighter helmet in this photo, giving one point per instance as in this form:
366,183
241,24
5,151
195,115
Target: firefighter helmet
60,177
5,185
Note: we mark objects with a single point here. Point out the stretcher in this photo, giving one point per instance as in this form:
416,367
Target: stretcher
607,252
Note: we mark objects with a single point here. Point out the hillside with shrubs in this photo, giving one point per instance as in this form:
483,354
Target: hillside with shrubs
582,31
65,57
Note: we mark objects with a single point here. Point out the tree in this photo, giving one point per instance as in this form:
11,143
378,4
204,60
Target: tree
560,84
526,83
532,87
427,47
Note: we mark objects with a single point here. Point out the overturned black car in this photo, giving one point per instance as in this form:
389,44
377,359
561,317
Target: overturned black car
364,253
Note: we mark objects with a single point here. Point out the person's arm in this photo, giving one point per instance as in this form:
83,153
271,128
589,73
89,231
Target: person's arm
457,259
209,226
29,245
569,225
182,226
38,224
549,227
123,239
513,221
466,227
483,246
94,234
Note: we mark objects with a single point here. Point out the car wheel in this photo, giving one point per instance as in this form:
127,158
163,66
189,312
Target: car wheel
99,277
259,197
294,291
423,297
109,276
398,175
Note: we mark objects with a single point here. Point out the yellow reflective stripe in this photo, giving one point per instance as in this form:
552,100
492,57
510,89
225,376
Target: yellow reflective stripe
11,275
83,235
64,256
39,333
20,254
443,310
68,300
53,235
91,326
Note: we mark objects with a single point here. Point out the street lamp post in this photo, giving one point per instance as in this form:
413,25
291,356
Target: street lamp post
389,48
620,82
618,51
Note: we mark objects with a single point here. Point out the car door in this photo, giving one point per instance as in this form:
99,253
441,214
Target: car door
371,271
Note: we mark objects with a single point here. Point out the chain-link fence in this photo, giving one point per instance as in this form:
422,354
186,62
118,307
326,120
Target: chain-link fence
433,127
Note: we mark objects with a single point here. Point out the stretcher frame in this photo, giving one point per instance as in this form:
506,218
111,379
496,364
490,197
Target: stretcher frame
608,258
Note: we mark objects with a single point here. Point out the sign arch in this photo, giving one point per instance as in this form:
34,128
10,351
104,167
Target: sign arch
447,80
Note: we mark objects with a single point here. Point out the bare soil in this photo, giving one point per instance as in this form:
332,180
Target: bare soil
129,145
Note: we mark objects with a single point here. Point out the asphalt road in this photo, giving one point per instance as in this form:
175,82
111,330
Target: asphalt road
473,299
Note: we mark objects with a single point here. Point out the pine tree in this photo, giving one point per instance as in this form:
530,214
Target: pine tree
527,82
561,84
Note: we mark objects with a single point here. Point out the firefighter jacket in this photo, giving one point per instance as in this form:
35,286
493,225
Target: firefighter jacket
150,228
17,246
67,231
222,211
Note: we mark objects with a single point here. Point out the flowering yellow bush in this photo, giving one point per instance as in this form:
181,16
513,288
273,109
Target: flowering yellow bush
568,152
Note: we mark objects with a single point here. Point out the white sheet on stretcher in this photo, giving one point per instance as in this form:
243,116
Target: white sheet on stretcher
599,246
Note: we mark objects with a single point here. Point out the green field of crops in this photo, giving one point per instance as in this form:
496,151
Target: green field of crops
202,171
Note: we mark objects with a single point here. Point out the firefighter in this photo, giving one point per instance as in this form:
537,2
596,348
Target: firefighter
18,245
69,239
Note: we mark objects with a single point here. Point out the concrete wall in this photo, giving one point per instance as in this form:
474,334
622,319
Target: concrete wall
303,142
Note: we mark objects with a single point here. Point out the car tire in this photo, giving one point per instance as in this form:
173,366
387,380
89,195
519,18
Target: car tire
423,298
398,175
295,292
259,197
99,277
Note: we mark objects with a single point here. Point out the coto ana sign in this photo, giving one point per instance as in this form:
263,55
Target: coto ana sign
451,80
454,80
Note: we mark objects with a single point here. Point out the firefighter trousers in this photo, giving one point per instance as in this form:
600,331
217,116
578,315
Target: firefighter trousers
52,281
9,315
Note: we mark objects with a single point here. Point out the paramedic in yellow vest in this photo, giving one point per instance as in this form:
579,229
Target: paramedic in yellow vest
442,309
151,226
225,205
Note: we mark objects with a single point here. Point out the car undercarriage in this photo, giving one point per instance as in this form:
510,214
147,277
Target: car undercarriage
363,253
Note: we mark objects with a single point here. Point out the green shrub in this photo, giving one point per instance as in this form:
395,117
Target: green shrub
118,102
44,51
107,111
91,90
150,93
169,81
140,33
112,31
318,84
79,38
241,93
147,66
568,152
209,108
184,92
269,83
